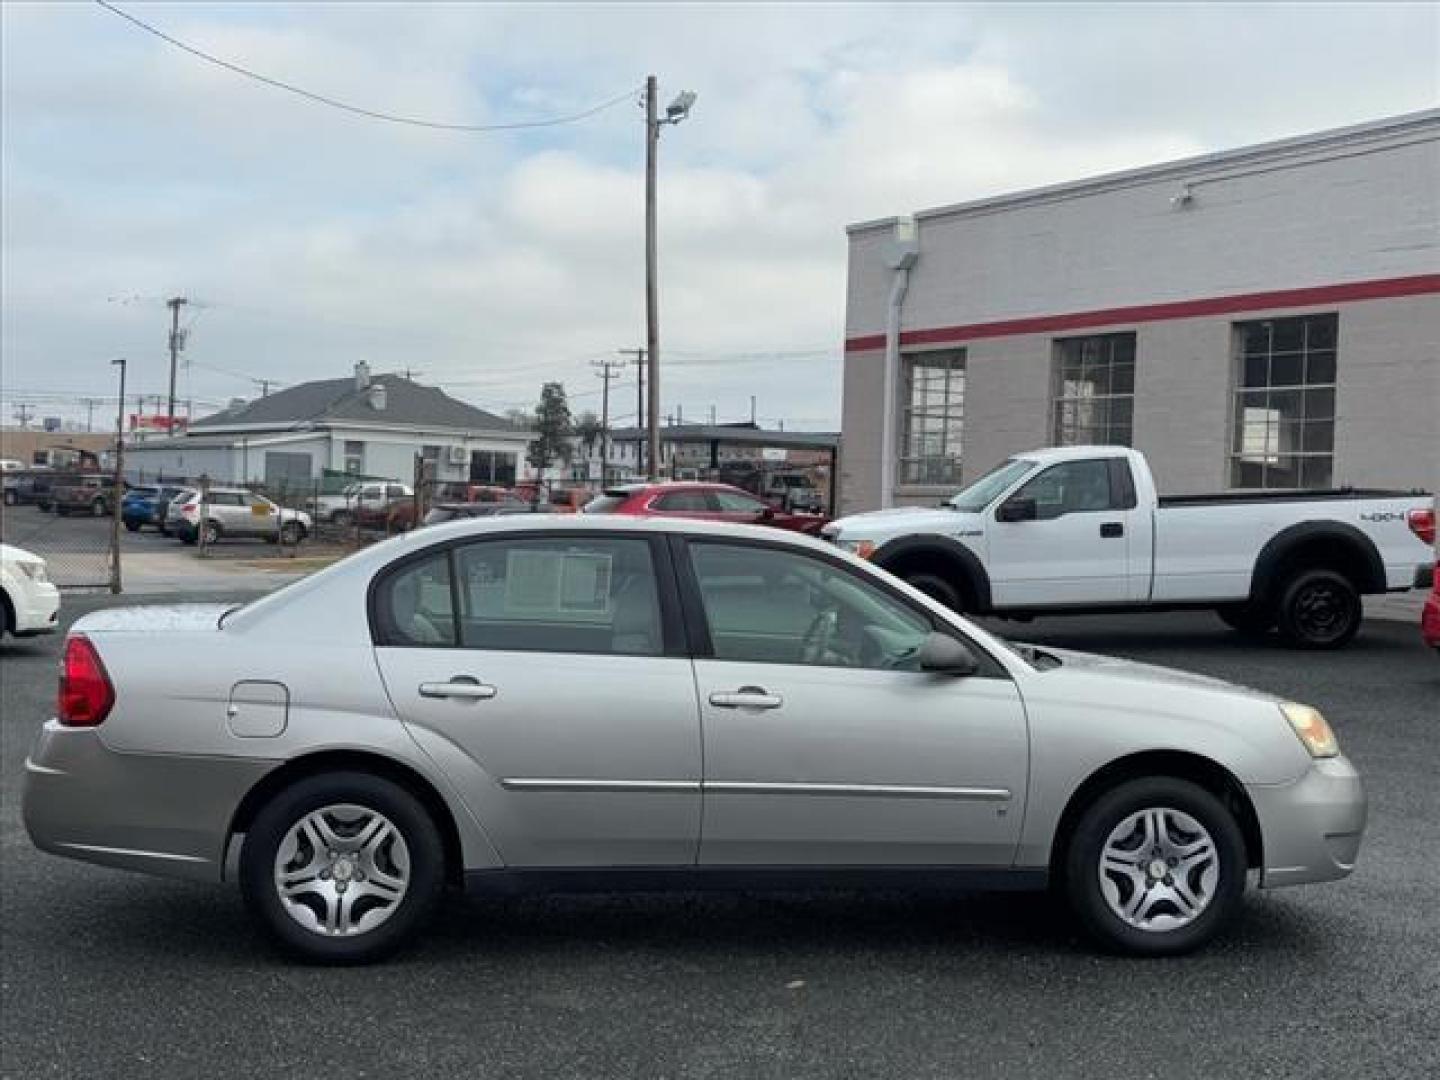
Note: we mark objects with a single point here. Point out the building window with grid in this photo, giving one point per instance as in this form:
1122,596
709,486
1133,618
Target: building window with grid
933,419
1093,398
354,457
1283,423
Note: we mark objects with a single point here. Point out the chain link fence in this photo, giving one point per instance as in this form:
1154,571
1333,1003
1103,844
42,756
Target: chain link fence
78,549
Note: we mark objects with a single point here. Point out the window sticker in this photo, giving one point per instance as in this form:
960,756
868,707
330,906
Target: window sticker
557,584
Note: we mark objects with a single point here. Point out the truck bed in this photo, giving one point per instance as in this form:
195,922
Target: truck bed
1231,498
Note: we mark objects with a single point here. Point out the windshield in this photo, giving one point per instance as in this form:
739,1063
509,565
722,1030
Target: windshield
988,488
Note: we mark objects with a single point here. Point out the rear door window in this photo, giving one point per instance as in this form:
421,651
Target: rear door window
581,595
685,502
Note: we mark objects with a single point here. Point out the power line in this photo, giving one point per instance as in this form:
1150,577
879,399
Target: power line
356,109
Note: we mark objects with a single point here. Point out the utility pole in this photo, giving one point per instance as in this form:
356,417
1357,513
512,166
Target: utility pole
23,414
175,303
118,491
712,415
752,409
90,403
609,369
676,111
639,355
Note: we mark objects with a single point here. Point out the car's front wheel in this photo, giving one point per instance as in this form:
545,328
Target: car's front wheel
1155,867
342,868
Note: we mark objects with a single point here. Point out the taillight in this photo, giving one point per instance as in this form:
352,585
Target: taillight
86,695
1422,524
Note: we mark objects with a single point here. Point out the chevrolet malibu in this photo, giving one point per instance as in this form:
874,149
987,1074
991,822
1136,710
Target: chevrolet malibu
581,703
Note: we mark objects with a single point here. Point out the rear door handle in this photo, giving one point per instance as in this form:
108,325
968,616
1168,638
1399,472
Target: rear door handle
1112,529
747,697
462,686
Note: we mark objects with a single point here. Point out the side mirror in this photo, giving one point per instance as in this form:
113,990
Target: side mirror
945,655
1017,508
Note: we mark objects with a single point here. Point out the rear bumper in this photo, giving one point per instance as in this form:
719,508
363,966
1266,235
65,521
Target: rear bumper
37,610
1311,828
161,814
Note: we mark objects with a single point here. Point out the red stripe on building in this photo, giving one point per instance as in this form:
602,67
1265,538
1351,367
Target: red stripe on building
1382,289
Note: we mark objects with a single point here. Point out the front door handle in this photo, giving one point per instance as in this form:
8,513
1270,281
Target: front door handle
1112,529
747,697
465,687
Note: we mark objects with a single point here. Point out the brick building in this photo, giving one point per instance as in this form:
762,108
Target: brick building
1267,317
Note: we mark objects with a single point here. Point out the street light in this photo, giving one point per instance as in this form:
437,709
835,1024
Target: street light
117,490
676,111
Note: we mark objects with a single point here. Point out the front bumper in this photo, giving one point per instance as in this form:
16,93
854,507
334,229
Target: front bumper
166,814
1311,827
37,610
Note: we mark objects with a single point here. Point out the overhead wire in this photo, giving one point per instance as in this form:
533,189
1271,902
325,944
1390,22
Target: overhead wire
357,110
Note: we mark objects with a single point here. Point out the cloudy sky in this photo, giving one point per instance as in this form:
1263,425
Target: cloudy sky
311,239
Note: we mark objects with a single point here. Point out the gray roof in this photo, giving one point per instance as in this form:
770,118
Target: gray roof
337,400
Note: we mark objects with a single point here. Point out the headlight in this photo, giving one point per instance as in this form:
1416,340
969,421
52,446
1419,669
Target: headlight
1312,729
863,548
35,571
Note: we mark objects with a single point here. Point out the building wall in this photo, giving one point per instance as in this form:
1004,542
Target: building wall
1330,212
21,444
392,453
219,463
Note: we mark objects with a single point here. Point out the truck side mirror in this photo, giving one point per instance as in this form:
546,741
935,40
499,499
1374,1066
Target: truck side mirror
1017,508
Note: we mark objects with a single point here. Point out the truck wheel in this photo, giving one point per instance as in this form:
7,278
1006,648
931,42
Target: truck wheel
937,588
1251,619
1319,609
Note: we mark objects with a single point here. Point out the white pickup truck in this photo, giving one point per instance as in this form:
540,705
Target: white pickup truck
1083,530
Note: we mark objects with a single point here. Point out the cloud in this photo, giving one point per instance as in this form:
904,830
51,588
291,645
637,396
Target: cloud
491,262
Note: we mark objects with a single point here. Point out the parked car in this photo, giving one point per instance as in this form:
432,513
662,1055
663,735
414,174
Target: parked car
94,494
146,505
505,703
443,512
170,522
356,500
18,487
792,491
699,502
29,602
1424,526
1081,529
235,513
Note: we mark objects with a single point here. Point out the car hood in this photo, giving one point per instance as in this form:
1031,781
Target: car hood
901,520
153,619
1133,671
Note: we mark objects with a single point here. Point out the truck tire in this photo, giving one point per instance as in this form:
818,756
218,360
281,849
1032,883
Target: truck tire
1318,609
1249,619
937,588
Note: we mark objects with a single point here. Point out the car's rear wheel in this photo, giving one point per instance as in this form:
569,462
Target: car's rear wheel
1252,619
1319,609
291,533
1155,867
212,533
342,867
132,526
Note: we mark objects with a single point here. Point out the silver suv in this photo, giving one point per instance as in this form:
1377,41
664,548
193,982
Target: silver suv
234,512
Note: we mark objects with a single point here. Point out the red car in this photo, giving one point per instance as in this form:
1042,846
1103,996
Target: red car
1422,524
700,502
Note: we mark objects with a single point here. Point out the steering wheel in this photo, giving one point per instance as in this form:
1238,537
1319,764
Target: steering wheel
819,635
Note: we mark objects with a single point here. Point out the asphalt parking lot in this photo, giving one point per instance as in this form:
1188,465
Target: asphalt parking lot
109,974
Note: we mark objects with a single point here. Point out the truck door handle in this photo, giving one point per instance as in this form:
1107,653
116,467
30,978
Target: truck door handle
1111,529
747,697
461,686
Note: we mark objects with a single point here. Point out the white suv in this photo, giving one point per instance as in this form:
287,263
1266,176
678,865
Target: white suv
29,602
235,512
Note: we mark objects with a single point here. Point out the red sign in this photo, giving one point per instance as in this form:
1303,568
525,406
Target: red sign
155,422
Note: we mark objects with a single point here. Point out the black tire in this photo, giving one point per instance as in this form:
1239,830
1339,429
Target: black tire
373,793
1249,619
1319,609
7,616
291,534
1081,876
189,539
937,588
212,533
132,526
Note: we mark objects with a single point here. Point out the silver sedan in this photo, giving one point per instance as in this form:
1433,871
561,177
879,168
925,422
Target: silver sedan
582,703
